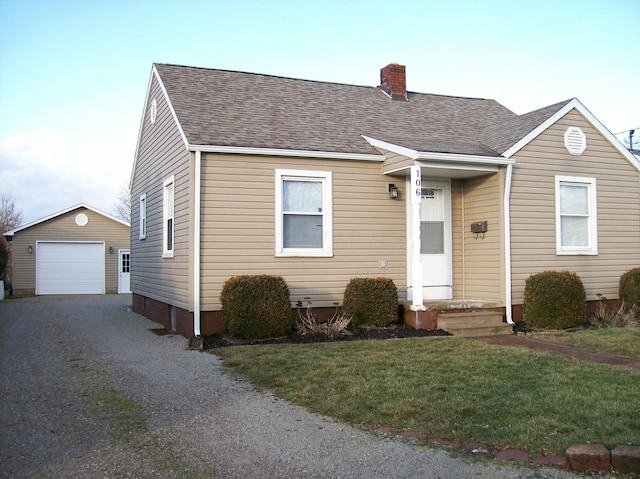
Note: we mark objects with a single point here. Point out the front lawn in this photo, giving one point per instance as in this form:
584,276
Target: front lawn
625,341
451,389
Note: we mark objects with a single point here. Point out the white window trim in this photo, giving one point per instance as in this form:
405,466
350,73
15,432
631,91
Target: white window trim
143,216
592,247
327,212
168,213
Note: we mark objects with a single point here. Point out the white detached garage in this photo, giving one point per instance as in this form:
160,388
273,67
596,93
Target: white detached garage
76,251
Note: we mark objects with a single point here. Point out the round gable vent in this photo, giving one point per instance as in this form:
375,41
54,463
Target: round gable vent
575,141
82,219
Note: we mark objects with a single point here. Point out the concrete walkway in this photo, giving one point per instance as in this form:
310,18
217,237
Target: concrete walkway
564,350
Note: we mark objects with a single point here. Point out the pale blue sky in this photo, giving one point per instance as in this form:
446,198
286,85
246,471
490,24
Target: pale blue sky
73,74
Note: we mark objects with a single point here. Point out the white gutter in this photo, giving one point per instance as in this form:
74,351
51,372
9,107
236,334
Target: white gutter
507,243
245,150
196,246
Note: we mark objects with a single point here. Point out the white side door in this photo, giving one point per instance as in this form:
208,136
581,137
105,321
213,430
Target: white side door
124,271
435,239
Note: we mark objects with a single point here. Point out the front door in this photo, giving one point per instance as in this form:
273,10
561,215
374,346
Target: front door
124,271
435,239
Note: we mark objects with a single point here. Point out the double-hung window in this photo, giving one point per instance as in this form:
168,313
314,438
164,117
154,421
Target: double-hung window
304,223
576,215
167,217
143,216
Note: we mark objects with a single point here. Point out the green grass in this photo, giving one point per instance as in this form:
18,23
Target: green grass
453,389
624,341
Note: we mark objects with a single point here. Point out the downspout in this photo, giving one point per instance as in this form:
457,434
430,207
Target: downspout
196,245
507,243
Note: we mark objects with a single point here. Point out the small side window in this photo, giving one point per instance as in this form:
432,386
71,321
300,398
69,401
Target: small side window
167,218
143,216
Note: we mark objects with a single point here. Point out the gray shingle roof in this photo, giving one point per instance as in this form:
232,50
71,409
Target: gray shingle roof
227,108
503,135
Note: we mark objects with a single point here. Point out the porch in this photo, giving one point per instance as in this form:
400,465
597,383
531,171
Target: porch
466,318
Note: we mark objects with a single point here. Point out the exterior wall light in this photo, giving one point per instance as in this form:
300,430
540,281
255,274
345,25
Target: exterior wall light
30,249
111,249
393,191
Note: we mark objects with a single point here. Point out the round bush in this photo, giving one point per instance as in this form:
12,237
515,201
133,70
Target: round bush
256,307
374,301
554,300
629,292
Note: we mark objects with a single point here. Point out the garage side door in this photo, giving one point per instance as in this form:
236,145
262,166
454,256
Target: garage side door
69,268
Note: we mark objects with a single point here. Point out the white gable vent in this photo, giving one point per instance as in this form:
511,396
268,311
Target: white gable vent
575,141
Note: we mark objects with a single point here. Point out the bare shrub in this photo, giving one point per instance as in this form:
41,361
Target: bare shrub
309,323
605,316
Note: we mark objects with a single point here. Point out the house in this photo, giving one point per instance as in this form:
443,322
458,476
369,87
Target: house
79,250
458,200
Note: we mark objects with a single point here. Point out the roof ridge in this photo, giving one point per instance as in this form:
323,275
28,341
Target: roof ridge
326,82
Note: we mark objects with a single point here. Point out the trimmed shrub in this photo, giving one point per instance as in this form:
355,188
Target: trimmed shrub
256,307
554,300
373,301
629,292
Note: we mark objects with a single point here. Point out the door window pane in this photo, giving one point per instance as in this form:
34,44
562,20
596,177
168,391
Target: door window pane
432,237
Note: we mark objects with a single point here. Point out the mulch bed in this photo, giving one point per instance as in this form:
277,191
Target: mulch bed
357,333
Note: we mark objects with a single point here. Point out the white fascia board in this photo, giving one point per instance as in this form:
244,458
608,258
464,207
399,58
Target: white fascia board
383,147
575,103
245,150
66,210
469,159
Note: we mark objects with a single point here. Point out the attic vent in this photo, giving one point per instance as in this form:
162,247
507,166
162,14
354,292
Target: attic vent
82,219
575,141
154,111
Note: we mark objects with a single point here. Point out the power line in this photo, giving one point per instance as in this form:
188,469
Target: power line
626,131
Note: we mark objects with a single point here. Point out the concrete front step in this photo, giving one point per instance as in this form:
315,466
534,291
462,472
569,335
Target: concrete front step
474,323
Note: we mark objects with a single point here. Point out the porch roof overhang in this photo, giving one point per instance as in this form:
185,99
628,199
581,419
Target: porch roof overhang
399,159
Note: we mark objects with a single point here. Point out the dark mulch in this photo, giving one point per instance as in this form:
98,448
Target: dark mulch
357,333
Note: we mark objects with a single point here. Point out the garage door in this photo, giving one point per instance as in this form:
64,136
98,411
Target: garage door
69,268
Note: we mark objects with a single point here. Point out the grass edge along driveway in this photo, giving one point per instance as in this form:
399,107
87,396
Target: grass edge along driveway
453,389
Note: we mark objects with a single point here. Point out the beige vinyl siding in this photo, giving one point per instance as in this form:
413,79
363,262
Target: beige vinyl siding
64,228
394,162
162,153
533,235
238,227
483,254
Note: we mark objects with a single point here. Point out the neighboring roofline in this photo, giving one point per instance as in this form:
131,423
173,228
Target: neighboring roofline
154,73
67,210
384,146
574,103
246,150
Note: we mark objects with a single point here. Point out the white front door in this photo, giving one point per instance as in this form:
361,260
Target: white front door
435,239
124,271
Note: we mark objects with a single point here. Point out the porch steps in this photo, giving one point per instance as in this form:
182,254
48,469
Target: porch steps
472,324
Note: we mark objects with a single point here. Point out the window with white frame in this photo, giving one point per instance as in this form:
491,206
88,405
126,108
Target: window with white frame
167,218
304,222
143,216
576,215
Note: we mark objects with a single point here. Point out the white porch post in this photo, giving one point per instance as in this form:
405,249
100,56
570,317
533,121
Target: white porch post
416,264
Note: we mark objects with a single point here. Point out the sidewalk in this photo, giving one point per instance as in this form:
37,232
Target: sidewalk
564,350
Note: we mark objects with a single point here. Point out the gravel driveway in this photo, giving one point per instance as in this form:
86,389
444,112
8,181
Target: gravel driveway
89,392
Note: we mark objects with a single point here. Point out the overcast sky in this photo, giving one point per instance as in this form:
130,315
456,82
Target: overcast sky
74,74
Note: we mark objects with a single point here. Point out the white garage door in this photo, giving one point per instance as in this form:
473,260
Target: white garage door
69,268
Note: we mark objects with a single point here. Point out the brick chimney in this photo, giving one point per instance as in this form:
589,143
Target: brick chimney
393,81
